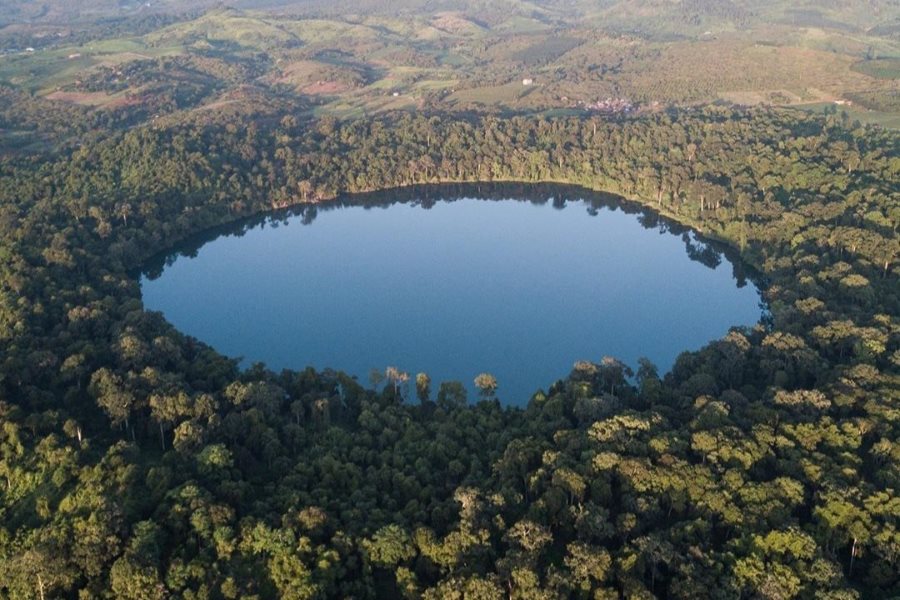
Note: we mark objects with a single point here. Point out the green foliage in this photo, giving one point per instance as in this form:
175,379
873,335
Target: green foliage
136,462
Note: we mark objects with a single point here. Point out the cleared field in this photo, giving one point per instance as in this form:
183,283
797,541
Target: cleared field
780,97
225,26
457,24
491,95
435,84
521,24
84,98
675,73
882,68
313,31
45,71
871,117
314,77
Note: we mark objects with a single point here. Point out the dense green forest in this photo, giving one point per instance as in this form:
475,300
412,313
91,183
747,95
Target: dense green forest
136,462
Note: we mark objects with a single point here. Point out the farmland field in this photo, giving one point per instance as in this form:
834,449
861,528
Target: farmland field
469,56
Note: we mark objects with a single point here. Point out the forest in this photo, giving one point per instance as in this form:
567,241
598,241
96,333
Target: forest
138,463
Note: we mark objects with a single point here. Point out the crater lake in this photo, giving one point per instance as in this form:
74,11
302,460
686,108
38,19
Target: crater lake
514,280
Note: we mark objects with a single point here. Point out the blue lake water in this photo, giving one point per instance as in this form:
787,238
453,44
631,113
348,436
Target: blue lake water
520,289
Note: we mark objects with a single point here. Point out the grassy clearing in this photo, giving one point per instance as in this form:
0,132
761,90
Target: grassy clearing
429,85
457,24
509,93
520,24
42,69
754,98
45,71
453,59
732,66
400,28
116,46
856,45
226,26
887,101
315,31
882,68
546,50
92,99
355,107
870,117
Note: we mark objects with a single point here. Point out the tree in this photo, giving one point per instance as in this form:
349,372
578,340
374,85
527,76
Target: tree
486,384
389,547
423,387
647,378
589,565
167,409
376,378
113,396
841,522
612,373
38,572
131,581
529,536
396,378
451,395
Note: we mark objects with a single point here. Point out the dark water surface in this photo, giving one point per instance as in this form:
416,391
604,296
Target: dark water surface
520,288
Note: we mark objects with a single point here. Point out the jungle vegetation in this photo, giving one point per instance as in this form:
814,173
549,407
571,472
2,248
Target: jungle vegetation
136,462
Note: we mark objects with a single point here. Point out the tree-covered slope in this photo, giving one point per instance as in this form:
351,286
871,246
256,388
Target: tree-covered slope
138,463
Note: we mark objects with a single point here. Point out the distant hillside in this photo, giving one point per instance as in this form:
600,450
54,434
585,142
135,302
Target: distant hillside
649,16
372,56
